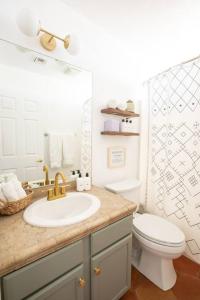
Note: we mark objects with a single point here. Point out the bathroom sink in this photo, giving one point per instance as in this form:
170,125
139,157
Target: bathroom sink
71,209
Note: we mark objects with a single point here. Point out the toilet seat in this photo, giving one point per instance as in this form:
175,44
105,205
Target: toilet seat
158,230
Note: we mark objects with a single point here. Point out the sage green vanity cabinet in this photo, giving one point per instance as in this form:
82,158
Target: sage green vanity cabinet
97,267
111,271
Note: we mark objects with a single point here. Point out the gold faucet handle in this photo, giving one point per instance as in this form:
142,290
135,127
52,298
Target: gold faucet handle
50,193
63,188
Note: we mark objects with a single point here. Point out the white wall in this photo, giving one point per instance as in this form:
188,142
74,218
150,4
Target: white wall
114,72
164,33
158,33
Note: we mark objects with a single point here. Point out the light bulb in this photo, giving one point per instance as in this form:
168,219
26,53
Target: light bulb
74,46
28,23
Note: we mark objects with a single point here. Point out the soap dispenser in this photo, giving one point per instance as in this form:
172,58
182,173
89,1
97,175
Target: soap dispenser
80,183
126,125
130,129
77,173
73,175
87,182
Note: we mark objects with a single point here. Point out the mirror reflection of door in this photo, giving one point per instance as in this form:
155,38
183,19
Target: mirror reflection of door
40,95
21,137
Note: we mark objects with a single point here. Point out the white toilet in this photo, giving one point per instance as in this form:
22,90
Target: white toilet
156,241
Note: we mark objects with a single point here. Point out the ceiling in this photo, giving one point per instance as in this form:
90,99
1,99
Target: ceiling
132,20
162,32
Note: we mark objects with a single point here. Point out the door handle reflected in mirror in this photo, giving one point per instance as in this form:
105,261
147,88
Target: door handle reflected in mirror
39,160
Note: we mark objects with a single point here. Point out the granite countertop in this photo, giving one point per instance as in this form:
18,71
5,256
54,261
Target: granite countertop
21,243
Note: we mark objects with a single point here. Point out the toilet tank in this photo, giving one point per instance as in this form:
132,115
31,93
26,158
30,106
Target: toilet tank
128,188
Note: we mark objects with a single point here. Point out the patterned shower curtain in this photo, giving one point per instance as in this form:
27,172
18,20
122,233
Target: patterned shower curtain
173,179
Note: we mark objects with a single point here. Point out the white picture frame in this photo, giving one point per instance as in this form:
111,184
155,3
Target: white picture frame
116,157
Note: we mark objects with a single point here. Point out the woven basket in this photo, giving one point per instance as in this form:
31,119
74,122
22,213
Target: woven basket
12,207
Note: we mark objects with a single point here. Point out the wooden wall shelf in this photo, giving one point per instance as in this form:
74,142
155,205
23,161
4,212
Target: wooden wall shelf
119,112
120,133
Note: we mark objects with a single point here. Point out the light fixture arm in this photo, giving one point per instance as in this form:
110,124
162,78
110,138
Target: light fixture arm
30,25
52,34
48,37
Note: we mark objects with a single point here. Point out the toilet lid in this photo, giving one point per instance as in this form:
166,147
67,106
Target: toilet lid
123,186
158,230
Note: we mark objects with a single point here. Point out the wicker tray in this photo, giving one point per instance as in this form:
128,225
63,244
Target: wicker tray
12,207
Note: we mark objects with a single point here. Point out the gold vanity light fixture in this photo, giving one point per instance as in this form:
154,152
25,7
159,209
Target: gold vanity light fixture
30,25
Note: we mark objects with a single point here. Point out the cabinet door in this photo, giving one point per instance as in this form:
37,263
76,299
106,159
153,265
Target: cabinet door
29,279
111,271
67,287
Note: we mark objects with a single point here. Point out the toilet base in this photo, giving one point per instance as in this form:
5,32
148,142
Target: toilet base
157,269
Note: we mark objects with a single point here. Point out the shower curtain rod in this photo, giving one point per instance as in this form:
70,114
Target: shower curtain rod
167,70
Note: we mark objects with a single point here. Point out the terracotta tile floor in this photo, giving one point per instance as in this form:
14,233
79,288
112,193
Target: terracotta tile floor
187,286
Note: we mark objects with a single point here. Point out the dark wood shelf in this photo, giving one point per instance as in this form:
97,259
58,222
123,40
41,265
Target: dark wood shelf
119,133
119,112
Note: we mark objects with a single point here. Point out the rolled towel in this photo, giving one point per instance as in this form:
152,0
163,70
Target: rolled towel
13,190
9,176
112,103
5,177
10,192
122,105
2,196
19,189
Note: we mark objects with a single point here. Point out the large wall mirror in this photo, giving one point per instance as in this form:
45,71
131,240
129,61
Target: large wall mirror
45,115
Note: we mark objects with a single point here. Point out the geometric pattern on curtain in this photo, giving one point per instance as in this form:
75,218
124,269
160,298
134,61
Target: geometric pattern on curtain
173,187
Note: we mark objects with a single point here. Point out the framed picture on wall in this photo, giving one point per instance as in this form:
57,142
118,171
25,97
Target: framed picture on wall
116,157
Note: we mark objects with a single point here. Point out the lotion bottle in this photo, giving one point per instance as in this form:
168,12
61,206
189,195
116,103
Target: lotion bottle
126,125
87,182
80,183
130,126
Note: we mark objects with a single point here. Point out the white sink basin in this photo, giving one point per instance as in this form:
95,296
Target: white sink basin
73,208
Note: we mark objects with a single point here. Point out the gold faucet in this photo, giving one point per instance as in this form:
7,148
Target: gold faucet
46,170
57,191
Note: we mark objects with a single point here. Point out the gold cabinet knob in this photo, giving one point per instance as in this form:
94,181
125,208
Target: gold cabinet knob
82,282
97,271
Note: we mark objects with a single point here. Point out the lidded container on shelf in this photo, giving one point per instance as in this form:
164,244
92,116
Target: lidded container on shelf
111,125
